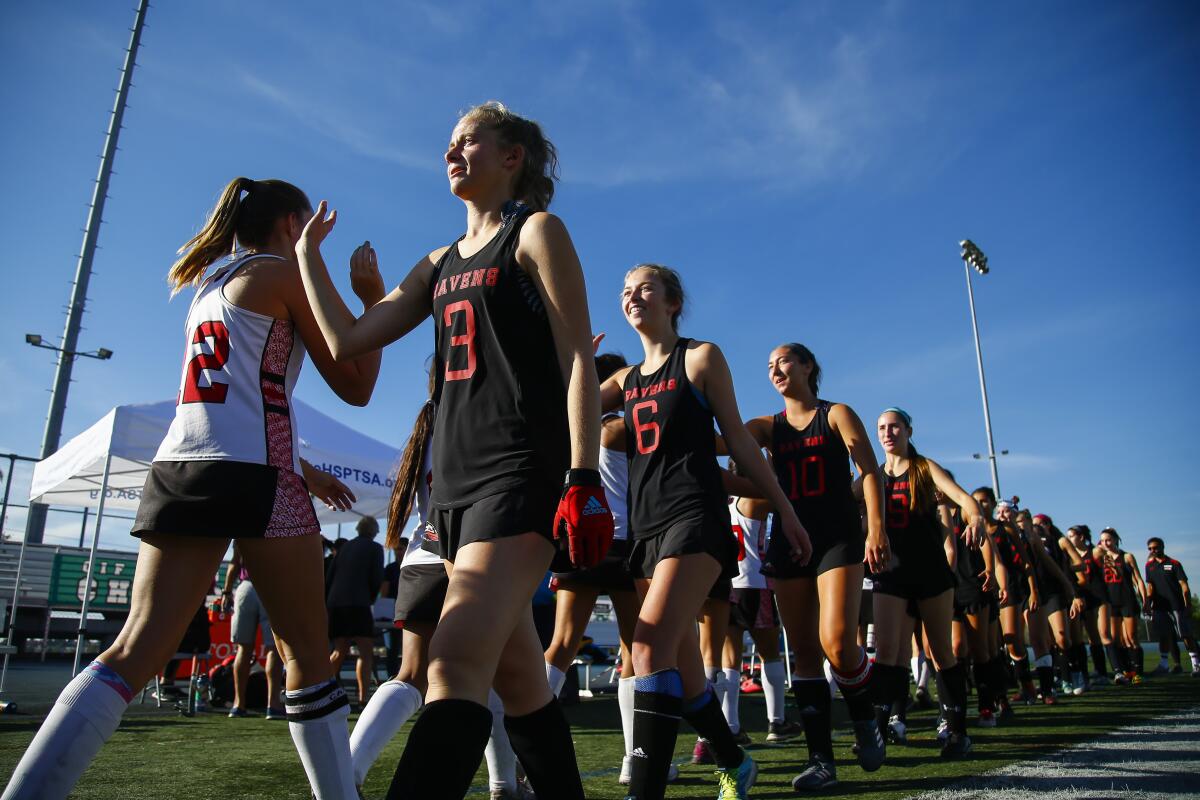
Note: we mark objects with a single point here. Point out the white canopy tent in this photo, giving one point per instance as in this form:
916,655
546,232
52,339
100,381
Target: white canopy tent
128,437
106,465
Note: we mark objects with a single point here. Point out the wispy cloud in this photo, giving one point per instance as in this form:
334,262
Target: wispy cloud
1033,461
326,119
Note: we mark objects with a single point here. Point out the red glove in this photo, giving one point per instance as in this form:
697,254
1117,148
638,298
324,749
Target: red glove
584,518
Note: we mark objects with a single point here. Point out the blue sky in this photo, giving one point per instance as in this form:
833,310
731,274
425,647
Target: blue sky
808,167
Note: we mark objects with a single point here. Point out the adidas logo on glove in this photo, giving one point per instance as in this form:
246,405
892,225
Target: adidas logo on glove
594,506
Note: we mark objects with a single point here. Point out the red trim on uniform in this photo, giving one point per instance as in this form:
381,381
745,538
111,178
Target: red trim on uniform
856,677
292,514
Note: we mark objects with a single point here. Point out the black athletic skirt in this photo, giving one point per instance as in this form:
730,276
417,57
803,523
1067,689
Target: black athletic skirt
225,500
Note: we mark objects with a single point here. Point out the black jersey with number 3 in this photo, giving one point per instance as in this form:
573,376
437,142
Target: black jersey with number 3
502,406
812,466
914,535
670,442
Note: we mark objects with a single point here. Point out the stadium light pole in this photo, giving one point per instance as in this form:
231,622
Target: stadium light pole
973,258
35,525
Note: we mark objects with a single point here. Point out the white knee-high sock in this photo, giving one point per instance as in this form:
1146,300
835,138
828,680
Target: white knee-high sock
389,708
555,677
625,701
729,702
501,760
774,689
84,716
317,720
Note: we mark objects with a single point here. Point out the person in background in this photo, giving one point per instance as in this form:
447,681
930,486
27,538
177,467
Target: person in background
1170,601
351,588
249,615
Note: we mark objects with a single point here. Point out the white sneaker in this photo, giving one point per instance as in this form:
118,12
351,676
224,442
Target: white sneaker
897,731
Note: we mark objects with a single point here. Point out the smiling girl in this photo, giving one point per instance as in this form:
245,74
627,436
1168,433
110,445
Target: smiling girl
679,525
919,580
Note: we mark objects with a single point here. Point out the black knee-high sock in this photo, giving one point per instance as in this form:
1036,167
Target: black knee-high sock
1079,659
1116,657
1139,658
542,742
891,691
1098,660
856,689
443,752
953,682
816,713
983,689
1022,671
657,707
998,672
703,713
1045,674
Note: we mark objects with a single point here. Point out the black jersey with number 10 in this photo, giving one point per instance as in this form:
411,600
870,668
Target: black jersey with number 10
813,467
502,405
671,445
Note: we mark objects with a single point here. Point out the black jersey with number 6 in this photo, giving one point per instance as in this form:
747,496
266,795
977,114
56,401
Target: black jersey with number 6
670,442
502,405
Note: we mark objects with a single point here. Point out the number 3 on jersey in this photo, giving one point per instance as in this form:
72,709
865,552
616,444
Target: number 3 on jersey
216,335
466,340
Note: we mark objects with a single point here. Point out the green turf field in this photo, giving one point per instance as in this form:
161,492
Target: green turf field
157,754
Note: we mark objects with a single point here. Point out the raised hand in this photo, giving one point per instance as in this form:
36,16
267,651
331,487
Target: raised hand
319,226
365,279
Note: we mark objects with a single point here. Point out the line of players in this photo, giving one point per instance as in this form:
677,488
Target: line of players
510,456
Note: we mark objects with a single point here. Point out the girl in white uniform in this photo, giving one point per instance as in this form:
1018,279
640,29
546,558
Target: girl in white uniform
228,468
752,610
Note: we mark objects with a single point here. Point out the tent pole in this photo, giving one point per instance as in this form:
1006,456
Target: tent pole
12,618
87,584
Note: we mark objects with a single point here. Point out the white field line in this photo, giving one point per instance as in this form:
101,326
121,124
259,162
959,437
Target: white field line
1154,760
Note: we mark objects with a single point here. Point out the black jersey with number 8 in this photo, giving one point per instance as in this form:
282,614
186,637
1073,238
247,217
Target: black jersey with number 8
671,445
502,405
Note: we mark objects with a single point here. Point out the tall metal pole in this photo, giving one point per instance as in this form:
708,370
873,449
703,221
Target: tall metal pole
987,415
36,524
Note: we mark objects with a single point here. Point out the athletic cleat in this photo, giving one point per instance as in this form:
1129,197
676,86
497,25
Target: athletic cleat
897,731
922,699
987,719
627,772
742,738
701,754
1078,686
1135,678
957,745
276,713
871,748
818,774
782,731
1050,699
1026,698
238,713
734,783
